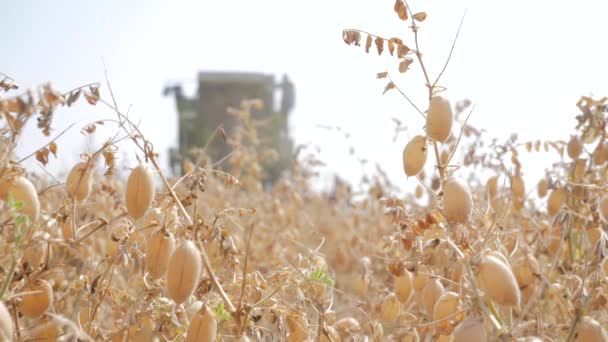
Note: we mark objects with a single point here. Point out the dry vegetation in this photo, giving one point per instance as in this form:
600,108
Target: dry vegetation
211,256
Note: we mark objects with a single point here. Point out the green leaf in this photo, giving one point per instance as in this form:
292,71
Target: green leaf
220,312
321,275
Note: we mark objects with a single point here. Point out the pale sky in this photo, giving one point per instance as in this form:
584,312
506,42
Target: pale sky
524,63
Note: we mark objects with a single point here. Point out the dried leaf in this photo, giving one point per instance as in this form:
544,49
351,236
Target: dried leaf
53,148
388,87
89,129
400,9
420,16
348,36
381,75
402,50
73,97
368,43
379,45
357,38
405,64
391,47
42,155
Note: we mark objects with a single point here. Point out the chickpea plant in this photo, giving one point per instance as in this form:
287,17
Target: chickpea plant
214,254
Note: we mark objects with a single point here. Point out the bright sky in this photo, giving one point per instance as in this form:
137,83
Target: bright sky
524,63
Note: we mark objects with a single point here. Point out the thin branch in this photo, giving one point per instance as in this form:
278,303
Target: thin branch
451,50
460,135
406,97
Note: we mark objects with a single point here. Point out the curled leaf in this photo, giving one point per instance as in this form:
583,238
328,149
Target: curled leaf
379,45
420,16
400,9
368,43
389,86
381,75
53,148
405,64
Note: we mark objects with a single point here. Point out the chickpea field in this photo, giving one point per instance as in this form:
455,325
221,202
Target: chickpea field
474,251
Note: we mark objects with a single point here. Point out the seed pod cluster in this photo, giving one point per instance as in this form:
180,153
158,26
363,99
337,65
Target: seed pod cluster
79,182
439,119
457,201
34,305
160,247
22,190
203,327
140,191
498,281
414,155
184,272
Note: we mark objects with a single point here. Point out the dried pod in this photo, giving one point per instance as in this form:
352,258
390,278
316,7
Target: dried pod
523,270
574,148
439,119
66,230
34,305
578,169
79,182
6,324
492,187
297,324
414,155
404,286
457,201
140,191
589,330
543,187
203,326
160,247
184,272
420,280
347,327
430,294
23,191
603,208
361,285
555,201
600,155
46,332
498,281
33,254
469,330
194,308
391,308
446,305
518,187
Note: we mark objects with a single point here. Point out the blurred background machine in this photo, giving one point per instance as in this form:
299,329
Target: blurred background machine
200,115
